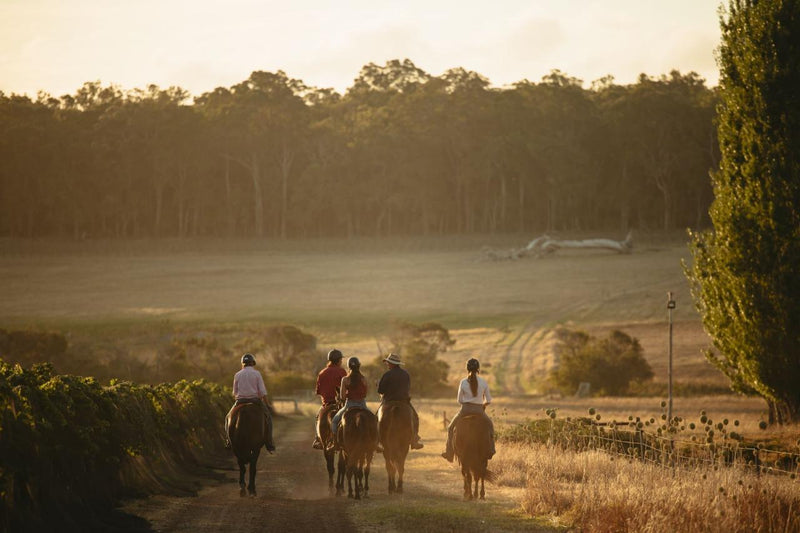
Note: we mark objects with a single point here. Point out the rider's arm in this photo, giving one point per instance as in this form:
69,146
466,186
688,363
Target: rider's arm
343,389
460,396
487,397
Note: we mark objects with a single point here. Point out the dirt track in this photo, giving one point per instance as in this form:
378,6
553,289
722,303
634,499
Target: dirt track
287,499
293,496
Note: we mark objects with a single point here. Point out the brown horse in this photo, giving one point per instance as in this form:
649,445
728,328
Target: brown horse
397,433
359,436
248,434
326,436
472,442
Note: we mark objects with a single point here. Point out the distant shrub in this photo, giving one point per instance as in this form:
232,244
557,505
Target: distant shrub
610,365
418,346
287,383
30,347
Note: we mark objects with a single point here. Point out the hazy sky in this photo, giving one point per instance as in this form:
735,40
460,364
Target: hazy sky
57,45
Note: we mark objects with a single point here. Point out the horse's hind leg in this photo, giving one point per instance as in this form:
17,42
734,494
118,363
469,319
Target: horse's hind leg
391,471
251,488
483,492
400,470
366,478
242,486
359,481
350,481
340,474
329,458
467,483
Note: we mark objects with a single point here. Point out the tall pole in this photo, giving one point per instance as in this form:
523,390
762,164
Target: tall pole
670,307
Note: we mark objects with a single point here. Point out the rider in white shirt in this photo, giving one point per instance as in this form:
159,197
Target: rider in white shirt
474,396
248,387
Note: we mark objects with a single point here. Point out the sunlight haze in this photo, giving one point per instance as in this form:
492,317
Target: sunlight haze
56,46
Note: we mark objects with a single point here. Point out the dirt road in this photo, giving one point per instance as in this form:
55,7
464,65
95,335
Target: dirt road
293,497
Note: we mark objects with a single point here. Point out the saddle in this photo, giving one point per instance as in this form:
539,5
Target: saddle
234,422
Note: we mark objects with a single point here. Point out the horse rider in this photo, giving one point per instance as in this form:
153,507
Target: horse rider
328,381
248,387
353,392
395,385
474,396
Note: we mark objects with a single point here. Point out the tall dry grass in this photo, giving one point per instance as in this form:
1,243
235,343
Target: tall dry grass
593,491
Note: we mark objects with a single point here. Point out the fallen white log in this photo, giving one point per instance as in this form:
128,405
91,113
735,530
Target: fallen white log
546,245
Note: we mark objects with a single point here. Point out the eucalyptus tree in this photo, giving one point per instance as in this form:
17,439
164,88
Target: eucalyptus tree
745,273
28,159
670,144
379,134
264,118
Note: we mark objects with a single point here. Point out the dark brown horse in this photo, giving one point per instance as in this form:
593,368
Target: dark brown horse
248,434
359,436
472,442
397,433
326,436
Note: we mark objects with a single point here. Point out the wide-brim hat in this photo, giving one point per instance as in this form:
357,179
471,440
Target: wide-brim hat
394,359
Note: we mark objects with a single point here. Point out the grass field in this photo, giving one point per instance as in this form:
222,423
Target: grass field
348,294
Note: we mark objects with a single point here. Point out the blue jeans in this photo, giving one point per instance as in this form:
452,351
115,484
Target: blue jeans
347,405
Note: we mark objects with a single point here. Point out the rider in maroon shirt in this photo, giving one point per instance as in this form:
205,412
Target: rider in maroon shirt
328,381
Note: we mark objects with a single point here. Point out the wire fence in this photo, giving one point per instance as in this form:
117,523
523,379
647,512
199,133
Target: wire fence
668,449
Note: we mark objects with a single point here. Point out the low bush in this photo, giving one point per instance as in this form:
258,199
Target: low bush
69,446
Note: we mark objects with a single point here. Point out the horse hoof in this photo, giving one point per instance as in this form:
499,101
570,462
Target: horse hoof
242,493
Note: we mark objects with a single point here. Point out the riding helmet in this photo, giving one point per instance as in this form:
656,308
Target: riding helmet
334,355
353,363
473,365
248,359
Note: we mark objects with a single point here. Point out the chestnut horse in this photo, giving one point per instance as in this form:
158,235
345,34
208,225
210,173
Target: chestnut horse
326,436
397,433
359,436
472,442
248,434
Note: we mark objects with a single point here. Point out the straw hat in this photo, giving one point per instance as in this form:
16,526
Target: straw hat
394,359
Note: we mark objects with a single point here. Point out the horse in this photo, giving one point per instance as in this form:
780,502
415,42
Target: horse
248,434
397,433
359,435
326,436
472,443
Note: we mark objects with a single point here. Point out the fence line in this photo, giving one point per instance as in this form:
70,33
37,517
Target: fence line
632,442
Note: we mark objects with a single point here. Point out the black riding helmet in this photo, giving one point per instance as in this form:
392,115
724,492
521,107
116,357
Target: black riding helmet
248,359
334,355
473,365
353,363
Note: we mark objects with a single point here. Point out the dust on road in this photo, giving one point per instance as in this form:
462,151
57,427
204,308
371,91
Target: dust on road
293,496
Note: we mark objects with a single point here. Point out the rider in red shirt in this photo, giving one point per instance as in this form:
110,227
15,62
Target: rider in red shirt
328,381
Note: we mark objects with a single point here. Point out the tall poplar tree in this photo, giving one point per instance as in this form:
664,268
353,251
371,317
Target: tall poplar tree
746,273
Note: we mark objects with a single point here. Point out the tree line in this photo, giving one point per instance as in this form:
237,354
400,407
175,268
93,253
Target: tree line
401,152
